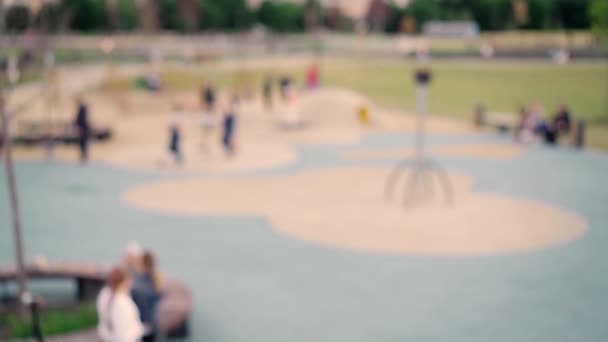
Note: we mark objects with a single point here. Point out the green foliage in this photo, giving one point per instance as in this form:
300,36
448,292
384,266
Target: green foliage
52,322
127,15
393,22
231,15
492,14
213,16
169,14
423,11
17,18
540,14
86,15
573,14
281,17
291,16
598,12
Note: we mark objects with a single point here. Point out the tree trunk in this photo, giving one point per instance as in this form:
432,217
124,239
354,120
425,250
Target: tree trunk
1,17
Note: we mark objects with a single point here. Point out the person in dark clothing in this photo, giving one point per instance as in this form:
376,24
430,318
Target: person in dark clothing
267,91
229,127
208,95
146,293
284,84
561,124
83,128
175,135
563,120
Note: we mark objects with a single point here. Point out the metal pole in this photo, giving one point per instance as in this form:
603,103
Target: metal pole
421,111
12,188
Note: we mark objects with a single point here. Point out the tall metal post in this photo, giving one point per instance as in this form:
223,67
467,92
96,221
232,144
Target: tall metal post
421,113
12,189
421,169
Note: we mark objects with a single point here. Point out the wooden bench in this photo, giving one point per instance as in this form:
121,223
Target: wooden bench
37,133
174,308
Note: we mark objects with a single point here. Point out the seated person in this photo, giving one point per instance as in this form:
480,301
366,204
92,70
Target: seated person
563,120
147,293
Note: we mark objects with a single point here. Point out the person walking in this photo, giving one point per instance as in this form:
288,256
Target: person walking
267,91
229,127
83,128
175,134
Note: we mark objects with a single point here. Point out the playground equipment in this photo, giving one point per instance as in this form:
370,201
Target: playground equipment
422,170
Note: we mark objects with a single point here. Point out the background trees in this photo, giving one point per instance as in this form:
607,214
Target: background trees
290,16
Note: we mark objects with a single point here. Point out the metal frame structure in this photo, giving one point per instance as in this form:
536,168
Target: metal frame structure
421,169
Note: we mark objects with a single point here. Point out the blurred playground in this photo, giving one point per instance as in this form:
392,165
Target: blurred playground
303,171
291,238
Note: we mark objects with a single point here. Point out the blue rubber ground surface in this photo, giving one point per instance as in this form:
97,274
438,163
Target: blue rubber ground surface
253,284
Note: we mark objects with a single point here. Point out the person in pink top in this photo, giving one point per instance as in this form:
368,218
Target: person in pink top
312,77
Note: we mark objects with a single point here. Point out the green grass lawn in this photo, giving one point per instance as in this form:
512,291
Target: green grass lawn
457,86
52,322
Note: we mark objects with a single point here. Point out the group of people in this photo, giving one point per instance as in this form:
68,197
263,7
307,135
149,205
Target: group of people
532,125
288,95
127,305
208,123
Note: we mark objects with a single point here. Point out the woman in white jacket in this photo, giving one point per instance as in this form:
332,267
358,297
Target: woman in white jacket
118,316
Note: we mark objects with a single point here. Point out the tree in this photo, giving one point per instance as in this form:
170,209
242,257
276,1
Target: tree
281,17
313,14
1,16
540,14
234,15
48,18
395,18
189,14
127,15
492,14
598,12
85,15
571,14
17,18
423,11
169,16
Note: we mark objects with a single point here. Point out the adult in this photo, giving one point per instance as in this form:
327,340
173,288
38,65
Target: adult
83,128
229,127
563,119
267,91
147,293
175,134
132,258
284,84
118,316
209,98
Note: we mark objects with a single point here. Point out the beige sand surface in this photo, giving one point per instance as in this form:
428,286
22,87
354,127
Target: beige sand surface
481,151
344,207
141,135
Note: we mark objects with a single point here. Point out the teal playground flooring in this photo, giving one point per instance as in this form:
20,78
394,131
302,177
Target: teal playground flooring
251,283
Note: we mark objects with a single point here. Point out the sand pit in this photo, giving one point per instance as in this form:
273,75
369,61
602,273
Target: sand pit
329,116
250,156
480,151
345,208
